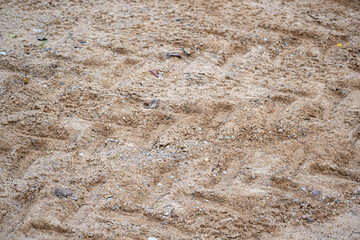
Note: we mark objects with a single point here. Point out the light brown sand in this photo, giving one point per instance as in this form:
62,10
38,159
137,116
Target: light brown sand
254,135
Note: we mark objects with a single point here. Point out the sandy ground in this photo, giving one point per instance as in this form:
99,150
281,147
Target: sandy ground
180,119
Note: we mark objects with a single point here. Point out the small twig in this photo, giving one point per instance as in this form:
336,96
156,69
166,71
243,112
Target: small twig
313,17
33,143
154,73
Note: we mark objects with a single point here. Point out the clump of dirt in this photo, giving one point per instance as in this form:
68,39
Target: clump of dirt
180,119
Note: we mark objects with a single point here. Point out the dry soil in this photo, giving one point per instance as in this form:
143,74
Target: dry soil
177,119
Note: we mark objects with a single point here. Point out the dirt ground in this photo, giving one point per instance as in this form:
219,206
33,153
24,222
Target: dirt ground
196,119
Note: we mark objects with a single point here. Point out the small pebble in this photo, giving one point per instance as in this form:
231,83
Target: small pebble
3,53
315,193
61,193
160,184
152,238
151,104
173,54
